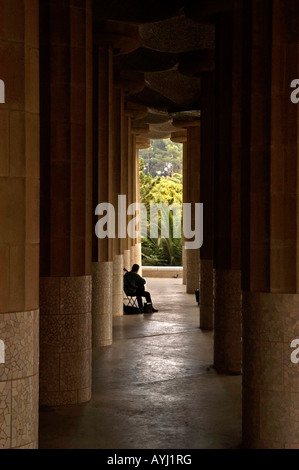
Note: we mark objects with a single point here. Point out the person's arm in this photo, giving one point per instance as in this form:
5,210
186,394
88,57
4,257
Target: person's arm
141,280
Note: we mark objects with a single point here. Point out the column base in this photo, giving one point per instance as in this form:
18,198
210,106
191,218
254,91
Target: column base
270,378
228,322
102,277
206,295
19,380
118,286
127,260
65,339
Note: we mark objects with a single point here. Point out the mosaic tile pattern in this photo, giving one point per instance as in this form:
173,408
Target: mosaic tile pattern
127,259
24,411
117,286
206,278
19,380
101,304
65,340
270,379
5,414
228,321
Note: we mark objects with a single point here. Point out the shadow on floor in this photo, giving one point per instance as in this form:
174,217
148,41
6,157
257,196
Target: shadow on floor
154,388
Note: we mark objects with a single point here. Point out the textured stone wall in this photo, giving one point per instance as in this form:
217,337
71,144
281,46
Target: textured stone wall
65,339
206,295
270,379
102,278
19,232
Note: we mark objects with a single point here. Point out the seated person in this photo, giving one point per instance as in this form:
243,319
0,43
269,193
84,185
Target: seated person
134,285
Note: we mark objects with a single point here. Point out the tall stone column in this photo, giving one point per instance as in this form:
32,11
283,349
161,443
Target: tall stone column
207,198
270,228
115,186
102,267
184,260
137,131
65,285
19,232
181,138
133,112
191,195
227,252
125,245
107,258
132,183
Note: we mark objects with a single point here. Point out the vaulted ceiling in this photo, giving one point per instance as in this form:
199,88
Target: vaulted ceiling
172,43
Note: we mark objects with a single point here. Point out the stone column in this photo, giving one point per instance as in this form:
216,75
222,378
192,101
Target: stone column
19,232
107,257
184,261
227,252
191,194
181,138
137,130
65,286
132,157
115,186
138,247
270,228
102,267
207,198
125,247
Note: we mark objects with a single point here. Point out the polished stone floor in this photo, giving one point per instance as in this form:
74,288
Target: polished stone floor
154,388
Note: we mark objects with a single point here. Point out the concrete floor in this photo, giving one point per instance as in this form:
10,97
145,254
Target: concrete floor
154,388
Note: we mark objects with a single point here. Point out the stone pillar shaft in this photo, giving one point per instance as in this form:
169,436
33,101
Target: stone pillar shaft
227,253
269,236
19,232
66,158
115,187
207,198
192,182
184,261
102,268
105,94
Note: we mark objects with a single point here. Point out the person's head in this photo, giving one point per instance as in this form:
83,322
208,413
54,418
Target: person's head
135,268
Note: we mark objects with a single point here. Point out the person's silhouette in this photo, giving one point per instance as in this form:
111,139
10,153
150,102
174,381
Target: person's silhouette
134,285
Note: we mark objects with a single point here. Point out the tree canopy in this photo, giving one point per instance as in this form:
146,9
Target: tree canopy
163,158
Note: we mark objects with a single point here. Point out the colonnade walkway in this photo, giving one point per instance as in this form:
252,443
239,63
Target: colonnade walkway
154,388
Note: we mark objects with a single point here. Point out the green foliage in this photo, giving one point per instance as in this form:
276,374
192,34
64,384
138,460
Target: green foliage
163,158
162,251
159,189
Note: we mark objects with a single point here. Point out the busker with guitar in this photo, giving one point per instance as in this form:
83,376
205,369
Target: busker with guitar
134,285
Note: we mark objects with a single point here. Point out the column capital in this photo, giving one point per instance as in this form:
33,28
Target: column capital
186,124
135,110
179,137
123,37
143,143
139,128
130,82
